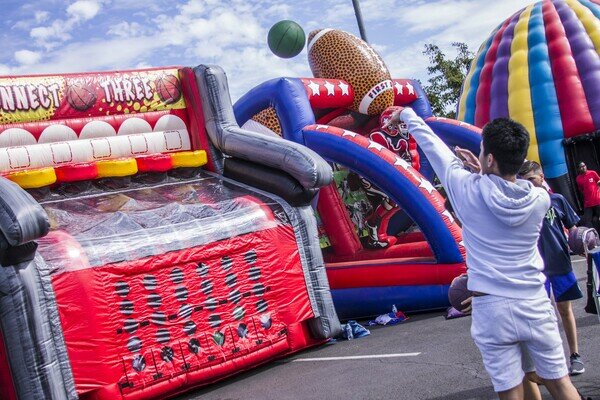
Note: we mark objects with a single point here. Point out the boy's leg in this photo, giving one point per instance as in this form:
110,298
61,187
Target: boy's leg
562,388
531,391
495,334
545,346
566,289
515,393
587,217
565,310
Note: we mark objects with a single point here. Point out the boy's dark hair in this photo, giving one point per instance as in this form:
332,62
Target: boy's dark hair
529,166
507,141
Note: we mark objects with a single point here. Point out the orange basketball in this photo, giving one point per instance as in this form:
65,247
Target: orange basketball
335,54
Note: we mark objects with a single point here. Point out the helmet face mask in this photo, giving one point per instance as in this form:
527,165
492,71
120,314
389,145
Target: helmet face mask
393,130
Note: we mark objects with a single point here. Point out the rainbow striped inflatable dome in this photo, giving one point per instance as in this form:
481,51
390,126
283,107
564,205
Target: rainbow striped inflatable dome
541,67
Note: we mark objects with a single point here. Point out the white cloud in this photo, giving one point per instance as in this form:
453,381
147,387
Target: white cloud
58,31
27,57
83,9
50,36
41,16
126,30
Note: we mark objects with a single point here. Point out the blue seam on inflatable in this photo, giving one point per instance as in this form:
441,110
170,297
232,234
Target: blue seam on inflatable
546,112
285,95
421,106
594,8
402,191
370,301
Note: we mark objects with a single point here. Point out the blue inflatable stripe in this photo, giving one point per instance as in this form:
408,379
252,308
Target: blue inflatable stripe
371,301
546,112
472,94
455,135
394,184
594,8
421,105
287,96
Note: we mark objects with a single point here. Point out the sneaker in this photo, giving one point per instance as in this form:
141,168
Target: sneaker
576,365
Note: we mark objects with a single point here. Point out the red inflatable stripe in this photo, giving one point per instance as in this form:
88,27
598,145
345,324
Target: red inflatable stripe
394,273
482,111
335,218
575,115
155,163
76,172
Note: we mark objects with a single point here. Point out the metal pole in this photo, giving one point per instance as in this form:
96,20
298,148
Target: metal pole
359,20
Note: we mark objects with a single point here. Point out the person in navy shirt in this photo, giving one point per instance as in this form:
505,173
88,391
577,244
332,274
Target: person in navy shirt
554,249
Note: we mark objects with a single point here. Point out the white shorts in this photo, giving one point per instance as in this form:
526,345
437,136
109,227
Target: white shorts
500,326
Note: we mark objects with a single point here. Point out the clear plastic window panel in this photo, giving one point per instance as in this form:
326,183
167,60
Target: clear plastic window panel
147,221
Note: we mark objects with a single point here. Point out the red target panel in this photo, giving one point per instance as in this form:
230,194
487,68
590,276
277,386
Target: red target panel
185,314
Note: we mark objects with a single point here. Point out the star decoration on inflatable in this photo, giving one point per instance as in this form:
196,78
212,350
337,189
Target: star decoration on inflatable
330,88
344,88
398,87
349,133
315,87
375,146
401,162
411,88
425,184
448,215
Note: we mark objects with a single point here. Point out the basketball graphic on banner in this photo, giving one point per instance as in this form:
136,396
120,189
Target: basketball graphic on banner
168,88
80,95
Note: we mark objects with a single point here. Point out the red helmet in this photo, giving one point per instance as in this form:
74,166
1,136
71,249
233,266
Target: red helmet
393,130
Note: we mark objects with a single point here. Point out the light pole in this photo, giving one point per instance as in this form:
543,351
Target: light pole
359,20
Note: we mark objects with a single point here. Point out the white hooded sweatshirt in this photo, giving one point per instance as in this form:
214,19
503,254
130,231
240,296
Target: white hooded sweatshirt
501,220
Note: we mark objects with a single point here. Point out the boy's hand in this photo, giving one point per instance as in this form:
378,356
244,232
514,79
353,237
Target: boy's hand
394,118
467,310
469,159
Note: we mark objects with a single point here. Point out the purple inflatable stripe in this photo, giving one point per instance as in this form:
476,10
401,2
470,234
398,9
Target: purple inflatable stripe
499,88
586,58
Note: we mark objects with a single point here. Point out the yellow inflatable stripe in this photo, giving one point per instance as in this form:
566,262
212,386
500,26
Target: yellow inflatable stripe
117,168
519,92
33,179
189,159
589,21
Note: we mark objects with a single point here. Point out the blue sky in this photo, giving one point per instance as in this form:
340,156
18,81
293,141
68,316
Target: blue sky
53,36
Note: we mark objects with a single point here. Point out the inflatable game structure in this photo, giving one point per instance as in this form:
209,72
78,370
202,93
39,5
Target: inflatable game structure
386,235
131,265
541,67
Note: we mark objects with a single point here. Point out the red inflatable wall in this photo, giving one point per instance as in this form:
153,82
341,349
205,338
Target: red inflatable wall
152,326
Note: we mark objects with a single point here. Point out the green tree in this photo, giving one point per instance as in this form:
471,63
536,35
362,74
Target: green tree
446,77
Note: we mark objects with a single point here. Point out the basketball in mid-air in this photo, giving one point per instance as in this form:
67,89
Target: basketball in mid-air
458,292
286,39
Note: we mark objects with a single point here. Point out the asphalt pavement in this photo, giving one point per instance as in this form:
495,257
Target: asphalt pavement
424,358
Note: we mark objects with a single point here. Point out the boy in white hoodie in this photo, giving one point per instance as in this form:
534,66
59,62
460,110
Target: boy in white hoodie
501,218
